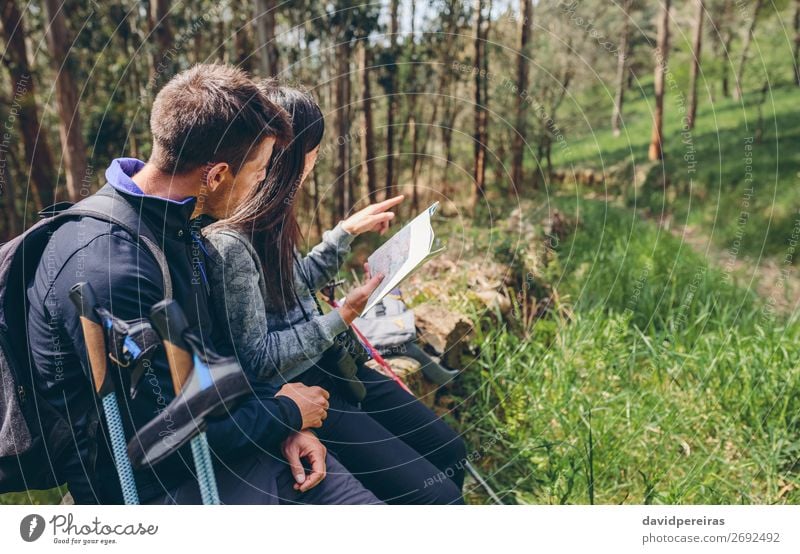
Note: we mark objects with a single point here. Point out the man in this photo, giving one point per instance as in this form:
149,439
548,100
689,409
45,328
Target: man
209,123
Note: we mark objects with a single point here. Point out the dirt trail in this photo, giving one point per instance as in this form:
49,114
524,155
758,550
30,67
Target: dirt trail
775,281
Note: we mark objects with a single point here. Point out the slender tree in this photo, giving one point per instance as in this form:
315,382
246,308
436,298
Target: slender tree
391,97
480,135
344,190
656,151
243,41
523,62
73,148
264,21
368,134
722,38
411,102
796,58
622,65
697,47
163,64
38,156
748,38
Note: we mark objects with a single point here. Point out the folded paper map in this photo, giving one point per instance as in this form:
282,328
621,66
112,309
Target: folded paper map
401,255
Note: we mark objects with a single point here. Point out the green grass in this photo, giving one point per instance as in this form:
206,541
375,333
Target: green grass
733,170
666,385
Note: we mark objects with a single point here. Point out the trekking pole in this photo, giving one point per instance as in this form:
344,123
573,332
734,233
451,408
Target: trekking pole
385,365
170,322
82,295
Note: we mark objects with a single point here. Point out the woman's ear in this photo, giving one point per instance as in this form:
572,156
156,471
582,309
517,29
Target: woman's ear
217,175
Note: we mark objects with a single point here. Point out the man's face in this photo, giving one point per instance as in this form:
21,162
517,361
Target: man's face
228,191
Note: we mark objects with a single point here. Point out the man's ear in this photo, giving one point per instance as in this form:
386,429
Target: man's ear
217,175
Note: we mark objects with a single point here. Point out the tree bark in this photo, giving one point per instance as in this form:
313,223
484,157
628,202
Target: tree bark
70,130
243,44
479,168
412,113
342,128
368,136
8,195
737,91
391,107
695,71
265,11
161,30
622,64
38,156
722,37
520,136
797,42
656,151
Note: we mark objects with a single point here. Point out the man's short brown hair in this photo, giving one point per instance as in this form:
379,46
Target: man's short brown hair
212,113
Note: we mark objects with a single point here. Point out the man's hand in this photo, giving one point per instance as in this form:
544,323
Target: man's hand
372,218
312,401
305,444
356,300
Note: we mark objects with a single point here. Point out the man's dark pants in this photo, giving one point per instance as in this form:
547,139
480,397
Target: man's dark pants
265,478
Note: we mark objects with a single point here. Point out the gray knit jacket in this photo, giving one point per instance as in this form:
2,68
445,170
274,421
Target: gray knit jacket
273,346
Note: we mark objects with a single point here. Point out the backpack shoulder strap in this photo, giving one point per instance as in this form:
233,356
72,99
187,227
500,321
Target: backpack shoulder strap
107,206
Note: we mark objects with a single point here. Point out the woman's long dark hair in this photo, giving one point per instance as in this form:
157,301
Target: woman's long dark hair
267,215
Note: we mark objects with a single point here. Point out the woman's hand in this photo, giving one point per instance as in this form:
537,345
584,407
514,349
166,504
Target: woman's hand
312,401
372,218
356,300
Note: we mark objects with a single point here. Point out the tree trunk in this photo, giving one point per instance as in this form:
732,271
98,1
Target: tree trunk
520,142
163,65
726,87
70,130
797,42
368,136
8,194
265,11
737,91
696,49
352,181
317,211
243,42
721,40
38,156
412,113
392,99
622,64
342,189
450,113
479,168
656,151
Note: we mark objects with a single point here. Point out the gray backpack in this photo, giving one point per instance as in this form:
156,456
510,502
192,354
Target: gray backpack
389,325
33,436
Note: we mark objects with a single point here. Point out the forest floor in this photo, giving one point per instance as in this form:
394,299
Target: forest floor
777,282
661,377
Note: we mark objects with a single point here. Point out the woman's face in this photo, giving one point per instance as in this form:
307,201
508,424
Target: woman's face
226,191
311,159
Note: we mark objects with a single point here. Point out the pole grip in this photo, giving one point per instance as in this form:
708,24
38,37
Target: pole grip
84,299
170,322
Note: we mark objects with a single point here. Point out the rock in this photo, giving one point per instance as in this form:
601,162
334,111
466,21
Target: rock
446,332
408,370
495,300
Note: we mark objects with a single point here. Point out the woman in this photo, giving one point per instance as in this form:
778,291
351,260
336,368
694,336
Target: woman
264,290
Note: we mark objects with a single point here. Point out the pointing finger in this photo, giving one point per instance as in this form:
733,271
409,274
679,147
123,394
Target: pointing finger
386,204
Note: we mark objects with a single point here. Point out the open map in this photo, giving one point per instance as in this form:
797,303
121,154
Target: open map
402,254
